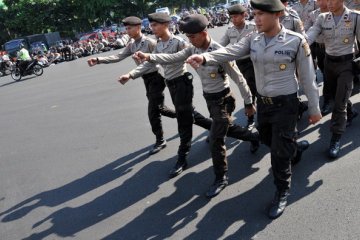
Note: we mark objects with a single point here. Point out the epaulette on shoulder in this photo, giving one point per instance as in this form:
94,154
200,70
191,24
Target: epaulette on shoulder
294,34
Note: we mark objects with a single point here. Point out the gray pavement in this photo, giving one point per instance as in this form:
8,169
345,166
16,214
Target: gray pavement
74,165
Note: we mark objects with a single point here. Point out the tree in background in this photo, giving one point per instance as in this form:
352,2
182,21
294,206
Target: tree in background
25,17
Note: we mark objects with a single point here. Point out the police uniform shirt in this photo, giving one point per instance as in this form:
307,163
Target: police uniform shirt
352,4
338,38
233,34
144,44
171,71
292,11
214,78
304,10
292,23
311,21
275,64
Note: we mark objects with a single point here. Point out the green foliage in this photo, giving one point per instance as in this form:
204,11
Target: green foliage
25,17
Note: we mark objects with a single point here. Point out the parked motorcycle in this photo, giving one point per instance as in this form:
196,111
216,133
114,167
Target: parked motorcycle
6,67
33,68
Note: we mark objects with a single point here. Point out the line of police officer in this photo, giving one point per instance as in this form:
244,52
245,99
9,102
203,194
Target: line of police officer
280,62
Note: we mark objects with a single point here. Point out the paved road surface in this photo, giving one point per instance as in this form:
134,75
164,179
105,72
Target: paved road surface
74,165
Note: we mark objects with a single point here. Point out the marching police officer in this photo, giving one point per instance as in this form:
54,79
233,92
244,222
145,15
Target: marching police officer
289,9
320,53
352,4
179,82
303,8
340,27
241,27
217,93
276,53
154,82
291,21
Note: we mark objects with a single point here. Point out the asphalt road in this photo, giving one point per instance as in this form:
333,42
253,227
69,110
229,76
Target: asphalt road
74,165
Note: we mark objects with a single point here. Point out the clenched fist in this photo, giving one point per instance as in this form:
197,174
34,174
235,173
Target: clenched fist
195,60
124,78
92,61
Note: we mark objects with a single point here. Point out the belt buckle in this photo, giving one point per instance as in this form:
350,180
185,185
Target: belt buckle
267,100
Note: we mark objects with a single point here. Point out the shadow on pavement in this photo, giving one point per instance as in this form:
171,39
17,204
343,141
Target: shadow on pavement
22,80
78,187
68,221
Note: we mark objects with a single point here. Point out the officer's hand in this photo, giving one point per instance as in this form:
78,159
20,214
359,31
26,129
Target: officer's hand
314,118
195,60
250,110
92,61
124,78
141,57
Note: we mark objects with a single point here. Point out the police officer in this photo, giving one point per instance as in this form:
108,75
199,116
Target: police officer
241,27
276,53
289,9
352,4
340,26
303,8
320,53
291,21
217,93
154,82
179,82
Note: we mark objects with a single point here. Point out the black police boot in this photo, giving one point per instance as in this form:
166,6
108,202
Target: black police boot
334,148
351,117
250,123
179,167
159,145
254,146
255,142
208,138
325,109
302,108
219,184
301,147
278,204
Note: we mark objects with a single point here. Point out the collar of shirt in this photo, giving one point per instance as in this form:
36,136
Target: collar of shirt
280,37
345,16
211,47
166,44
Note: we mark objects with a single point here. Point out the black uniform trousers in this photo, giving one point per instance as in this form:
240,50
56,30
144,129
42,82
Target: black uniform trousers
277,119
320,57
182,91
155,85
220,106
339,75
246,67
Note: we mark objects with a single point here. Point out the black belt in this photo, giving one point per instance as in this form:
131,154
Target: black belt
215,96
152,74
275,100
342,58
187,76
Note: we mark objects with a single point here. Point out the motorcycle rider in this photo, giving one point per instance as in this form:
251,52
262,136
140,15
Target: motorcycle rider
24,58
